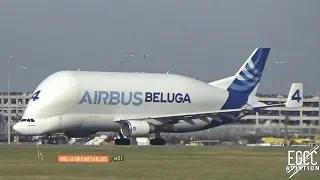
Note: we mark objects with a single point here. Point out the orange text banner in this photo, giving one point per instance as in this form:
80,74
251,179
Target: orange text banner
83,158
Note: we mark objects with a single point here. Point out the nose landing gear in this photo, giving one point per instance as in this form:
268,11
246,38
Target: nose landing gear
48,138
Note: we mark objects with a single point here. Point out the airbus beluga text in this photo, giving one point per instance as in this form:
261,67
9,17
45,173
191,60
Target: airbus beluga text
80,103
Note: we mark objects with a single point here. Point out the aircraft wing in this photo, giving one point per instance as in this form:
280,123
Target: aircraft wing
178,116
196,114
294,100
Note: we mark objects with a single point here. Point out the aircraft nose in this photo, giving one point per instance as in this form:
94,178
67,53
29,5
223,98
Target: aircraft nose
17,127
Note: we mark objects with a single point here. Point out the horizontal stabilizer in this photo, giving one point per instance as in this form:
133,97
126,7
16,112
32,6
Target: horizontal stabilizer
294,100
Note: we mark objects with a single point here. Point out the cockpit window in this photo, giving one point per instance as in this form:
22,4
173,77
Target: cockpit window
27,120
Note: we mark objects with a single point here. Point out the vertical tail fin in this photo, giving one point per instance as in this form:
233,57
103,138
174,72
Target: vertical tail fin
295,97
249,75
246,80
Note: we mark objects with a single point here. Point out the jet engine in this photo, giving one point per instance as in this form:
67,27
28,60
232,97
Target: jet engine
136,128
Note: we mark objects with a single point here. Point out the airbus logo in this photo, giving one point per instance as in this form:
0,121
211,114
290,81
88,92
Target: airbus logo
134,98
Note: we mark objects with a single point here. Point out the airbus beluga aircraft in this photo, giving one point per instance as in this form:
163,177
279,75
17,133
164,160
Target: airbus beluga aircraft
81,103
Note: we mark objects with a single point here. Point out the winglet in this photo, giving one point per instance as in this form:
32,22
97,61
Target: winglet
295,97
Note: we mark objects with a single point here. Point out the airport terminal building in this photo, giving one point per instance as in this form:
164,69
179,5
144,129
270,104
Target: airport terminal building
270,122
17,103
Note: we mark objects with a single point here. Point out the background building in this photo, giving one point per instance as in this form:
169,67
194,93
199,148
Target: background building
17,102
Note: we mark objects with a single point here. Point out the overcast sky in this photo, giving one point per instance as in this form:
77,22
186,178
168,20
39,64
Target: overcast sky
207,39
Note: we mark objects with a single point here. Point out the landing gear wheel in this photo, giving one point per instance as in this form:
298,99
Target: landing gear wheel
157,141
47,137
122,141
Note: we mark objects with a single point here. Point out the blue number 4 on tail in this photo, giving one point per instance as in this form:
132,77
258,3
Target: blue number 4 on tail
35,96
296,96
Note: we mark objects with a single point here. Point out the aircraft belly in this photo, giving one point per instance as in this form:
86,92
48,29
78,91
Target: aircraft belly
106,123
71,121
89,121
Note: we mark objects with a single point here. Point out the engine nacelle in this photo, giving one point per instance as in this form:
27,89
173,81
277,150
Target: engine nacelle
136,128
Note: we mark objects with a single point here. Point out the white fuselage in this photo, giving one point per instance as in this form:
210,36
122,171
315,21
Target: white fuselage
93,101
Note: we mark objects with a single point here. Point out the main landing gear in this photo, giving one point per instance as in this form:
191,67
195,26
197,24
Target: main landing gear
125,141
157,140
122,140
